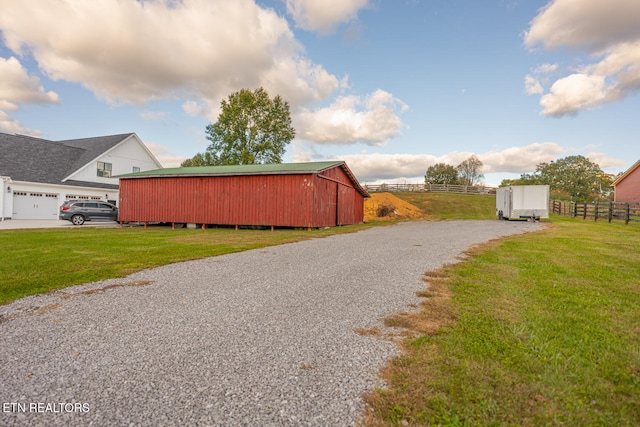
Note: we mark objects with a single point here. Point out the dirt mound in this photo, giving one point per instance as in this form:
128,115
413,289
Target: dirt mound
380,202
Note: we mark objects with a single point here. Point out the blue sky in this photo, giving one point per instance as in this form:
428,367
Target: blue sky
390,86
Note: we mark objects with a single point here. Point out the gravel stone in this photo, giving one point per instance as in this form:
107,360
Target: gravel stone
264,337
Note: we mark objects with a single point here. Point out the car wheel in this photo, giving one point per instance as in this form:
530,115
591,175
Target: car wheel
77,220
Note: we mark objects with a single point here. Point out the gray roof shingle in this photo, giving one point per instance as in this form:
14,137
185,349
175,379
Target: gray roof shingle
30,159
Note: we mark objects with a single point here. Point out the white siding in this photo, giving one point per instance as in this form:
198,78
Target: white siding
123,158
6,199
46,206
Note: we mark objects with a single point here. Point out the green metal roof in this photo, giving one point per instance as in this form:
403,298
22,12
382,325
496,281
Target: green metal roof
272,168
235,170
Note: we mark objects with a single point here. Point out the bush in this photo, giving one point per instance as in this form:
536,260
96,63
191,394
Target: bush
385,210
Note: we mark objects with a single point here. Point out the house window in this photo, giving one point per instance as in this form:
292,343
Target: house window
136,169
104,169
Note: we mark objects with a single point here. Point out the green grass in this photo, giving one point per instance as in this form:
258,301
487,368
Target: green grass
537,329
451,205
38,261
545,331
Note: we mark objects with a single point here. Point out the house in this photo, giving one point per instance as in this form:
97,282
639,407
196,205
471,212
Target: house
309,195
38,175
627,186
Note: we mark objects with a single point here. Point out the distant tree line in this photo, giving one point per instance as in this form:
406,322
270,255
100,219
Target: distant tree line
573,178
469,172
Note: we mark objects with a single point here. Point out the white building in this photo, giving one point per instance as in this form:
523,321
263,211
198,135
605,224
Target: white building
37,175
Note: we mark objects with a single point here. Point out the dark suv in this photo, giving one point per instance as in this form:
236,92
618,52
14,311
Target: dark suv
79,211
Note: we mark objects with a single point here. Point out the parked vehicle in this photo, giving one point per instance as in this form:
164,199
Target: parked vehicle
79,211
522,202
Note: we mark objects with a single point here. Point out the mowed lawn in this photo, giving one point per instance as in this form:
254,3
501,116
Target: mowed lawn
535,329
531,330
38,261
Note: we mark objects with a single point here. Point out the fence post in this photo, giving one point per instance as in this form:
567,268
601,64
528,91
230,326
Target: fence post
627,214
595,211
584,213
610,211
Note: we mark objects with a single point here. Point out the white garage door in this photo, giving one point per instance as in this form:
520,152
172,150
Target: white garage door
34,205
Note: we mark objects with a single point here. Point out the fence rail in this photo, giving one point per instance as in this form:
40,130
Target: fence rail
609,211
436,188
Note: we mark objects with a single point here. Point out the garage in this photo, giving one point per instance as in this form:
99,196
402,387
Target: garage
35,205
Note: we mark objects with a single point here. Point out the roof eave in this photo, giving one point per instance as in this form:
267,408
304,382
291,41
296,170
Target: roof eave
627,173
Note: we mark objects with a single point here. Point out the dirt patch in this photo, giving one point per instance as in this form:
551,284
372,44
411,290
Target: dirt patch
33,310
402,209
117,285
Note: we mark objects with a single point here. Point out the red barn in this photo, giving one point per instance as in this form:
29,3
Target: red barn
627,186
310,195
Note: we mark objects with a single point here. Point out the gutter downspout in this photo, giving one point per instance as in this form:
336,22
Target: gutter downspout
5,179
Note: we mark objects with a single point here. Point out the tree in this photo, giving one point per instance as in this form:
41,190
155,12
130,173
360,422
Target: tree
574,176
199,159
470,171
441,173
251,129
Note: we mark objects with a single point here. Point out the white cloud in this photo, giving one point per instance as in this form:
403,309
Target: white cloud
532,85
603,160
164,156
324,16
584,24
199,51
350,119
11,126
378,167
573,93
609,32
154,115
545,68
520,159
18,88
133,52
195,109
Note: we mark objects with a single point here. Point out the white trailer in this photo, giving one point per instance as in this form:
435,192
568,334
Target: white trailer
522,202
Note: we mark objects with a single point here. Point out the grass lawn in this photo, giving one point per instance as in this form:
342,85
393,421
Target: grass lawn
538,329
38,261
451,205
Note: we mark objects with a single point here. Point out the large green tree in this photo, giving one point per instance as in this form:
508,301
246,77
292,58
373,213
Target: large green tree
575,176
252,128
441,173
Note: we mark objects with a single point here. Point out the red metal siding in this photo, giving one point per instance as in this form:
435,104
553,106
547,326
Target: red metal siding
628,190
267,200
324,212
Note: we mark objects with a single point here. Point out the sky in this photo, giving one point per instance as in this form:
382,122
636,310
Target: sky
390,86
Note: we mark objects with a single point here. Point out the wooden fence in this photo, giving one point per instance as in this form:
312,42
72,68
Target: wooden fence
609,211
436,188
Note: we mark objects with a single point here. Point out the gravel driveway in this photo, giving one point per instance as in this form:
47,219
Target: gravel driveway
264,337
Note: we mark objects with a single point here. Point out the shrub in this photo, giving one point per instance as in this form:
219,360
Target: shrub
385,210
